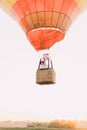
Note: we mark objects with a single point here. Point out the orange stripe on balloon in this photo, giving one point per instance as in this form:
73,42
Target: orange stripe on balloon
72,7
31,5
58,5
24,24
49,5
24,7
40,5
17,11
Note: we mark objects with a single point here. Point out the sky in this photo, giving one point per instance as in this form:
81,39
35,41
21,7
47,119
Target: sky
20,97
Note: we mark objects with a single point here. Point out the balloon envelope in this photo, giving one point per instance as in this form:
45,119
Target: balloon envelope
45,22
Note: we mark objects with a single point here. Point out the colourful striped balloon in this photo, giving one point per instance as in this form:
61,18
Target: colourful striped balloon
45,22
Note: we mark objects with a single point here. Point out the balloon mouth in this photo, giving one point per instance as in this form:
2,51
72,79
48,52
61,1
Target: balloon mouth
46,28
43,38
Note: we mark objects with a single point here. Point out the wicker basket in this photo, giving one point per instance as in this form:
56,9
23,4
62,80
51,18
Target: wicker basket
45,76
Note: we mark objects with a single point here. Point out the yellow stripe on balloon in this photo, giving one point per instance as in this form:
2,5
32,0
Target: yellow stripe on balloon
12,1
82,4
8,3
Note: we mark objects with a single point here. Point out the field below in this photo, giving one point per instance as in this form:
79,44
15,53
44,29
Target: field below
42,128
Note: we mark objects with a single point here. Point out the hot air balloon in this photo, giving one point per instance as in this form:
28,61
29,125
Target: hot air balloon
45,22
